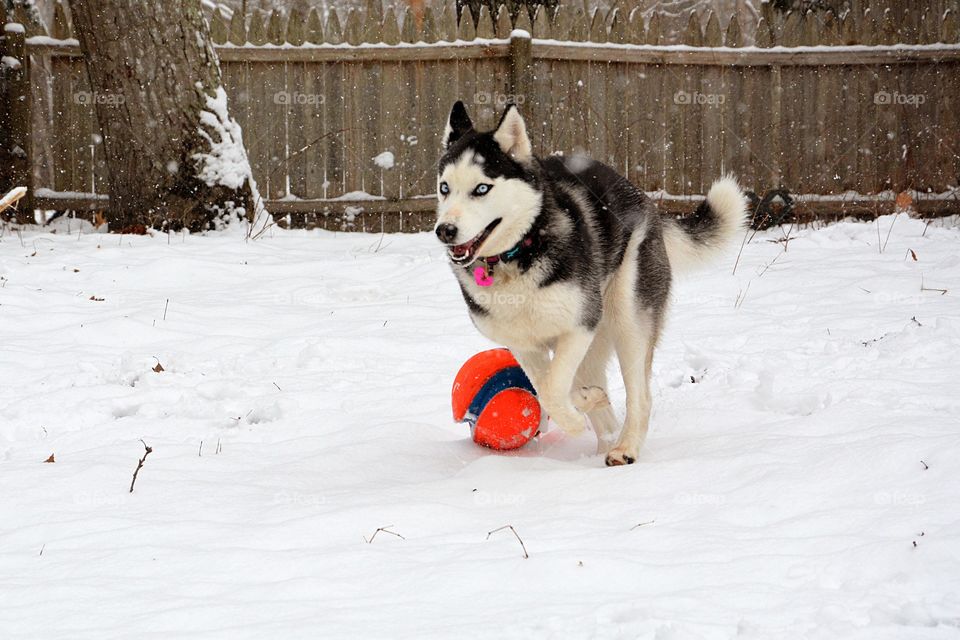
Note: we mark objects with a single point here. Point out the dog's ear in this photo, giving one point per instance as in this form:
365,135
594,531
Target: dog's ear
511,135
458,124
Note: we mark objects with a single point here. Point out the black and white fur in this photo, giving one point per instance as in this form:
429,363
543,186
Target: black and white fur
592,277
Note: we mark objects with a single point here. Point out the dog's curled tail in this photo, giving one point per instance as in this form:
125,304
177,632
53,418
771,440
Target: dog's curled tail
720,219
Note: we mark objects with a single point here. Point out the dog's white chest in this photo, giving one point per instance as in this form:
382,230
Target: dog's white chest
522,315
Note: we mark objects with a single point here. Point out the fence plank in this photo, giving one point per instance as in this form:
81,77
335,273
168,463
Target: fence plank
921,149
523,22
334,117
275,30
653,30
295,28
81,129
238,28
598,26
257,34
218,30
431,32
448,23
314,33
300,109
61,23
541,23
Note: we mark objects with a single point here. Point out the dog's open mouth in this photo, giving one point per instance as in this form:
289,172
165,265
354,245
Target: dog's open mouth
466,252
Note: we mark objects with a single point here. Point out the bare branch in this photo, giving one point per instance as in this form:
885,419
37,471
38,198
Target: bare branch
641,524
385,529
148,451
510,526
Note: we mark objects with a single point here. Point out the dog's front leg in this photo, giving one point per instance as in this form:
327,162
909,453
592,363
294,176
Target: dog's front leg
535,363
553,379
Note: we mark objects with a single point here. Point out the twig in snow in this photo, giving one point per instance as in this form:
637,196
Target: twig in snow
739,253
42,548
148,451
883,248
385,529
641,524
770,264
218,447
741,296
165,305
200,452
380,242
277,386
925,465
510,526
923,287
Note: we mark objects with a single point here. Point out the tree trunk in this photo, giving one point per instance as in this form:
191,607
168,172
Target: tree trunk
174,156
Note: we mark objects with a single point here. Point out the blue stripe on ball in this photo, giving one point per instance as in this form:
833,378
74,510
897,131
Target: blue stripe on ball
509,378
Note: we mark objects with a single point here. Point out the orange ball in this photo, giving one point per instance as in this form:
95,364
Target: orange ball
494,396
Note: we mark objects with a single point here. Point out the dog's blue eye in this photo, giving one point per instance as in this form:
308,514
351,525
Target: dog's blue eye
444,188
482,189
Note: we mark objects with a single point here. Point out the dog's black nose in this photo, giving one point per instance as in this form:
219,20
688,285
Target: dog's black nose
446,232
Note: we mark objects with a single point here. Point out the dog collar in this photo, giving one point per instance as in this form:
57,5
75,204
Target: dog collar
509,254
483,274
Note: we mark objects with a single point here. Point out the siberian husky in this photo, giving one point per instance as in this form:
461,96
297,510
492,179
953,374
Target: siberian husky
564,256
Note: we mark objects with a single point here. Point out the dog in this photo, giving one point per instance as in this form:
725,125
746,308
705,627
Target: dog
565,256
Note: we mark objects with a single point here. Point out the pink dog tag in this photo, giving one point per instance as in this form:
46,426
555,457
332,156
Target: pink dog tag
481,277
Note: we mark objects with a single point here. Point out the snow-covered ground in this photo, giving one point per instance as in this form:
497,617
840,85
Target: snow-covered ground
801,478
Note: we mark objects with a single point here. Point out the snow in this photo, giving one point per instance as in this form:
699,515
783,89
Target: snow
384,160
44,192
10,62
850,49
14,27
226,163
49,41
800,479
11,197
355,195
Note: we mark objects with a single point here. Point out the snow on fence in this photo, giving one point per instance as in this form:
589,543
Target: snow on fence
847,111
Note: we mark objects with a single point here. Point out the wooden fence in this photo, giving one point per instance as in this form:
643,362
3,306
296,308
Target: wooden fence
342,117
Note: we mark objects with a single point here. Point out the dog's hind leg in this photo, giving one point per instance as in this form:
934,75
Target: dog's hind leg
635,338
591,387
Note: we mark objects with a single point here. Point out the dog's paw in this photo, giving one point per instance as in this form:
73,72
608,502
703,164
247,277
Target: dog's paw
587,399
620,456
